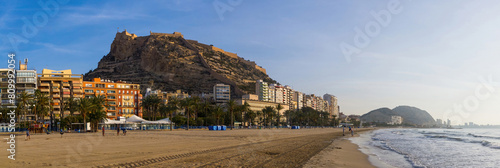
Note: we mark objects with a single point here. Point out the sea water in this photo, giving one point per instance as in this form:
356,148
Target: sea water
468,147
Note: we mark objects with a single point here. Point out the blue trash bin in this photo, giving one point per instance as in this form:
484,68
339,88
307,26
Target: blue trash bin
223,128
219,128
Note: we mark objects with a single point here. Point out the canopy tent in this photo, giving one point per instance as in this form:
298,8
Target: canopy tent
108,121
162,121
136,119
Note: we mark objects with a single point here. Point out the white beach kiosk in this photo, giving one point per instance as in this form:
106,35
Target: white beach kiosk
136,123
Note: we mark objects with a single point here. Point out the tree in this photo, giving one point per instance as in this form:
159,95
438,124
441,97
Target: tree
171,107
245,108
85,106
269,112
98,112
231,105
187,104
250,116
279,107
41,104
23,103
218,113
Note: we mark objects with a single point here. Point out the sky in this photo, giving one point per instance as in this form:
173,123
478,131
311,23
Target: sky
439,56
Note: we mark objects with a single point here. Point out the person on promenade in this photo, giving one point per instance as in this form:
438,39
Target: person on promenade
124,131
28,137
343,131
118,130
103,130
61,132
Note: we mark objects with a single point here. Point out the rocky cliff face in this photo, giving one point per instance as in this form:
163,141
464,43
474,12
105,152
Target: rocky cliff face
173,63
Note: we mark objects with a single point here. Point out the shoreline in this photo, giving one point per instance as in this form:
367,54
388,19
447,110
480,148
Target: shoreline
342,152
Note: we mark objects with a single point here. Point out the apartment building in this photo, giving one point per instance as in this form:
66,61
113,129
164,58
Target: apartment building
222,93
4,86
261,89
60,86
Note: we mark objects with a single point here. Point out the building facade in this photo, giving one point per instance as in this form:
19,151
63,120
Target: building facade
222,93
60,86
261,90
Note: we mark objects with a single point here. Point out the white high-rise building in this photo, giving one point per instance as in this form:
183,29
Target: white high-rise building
262,90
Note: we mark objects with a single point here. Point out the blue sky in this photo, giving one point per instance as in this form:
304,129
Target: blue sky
431,54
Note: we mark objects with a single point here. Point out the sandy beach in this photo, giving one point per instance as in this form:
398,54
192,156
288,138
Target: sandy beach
194,148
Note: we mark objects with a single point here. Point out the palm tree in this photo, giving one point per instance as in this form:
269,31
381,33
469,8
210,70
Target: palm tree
41,104
85,106
245,108
269,112
279,107
218,113
187,104
98,112
172,106
22,103
231,105
249,116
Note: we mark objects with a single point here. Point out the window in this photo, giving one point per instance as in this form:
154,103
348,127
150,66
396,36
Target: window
88,85
89,91
111,97
119,97
127,91
98,91
119,91
111,91
111,86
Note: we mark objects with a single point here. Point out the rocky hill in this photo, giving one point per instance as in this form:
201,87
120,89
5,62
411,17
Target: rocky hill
410,115
173,63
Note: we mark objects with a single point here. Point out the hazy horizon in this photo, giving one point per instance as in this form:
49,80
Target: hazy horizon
441,57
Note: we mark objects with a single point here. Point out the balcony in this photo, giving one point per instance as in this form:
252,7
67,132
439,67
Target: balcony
77,91
44,90
45,84
66,84
56,95
55,90
66,96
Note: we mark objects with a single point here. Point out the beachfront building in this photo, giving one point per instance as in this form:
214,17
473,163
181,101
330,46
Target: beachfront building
396,120
26,81
298,97
333,108
261,89
60,86
4,86
177,94
257,105
122,99
129,99
222,93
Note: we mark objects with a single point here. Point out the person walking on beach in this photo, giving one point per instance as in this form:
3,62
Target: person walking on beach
352,131
343,131
103,130
124,131
118,130
61,132
28,137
